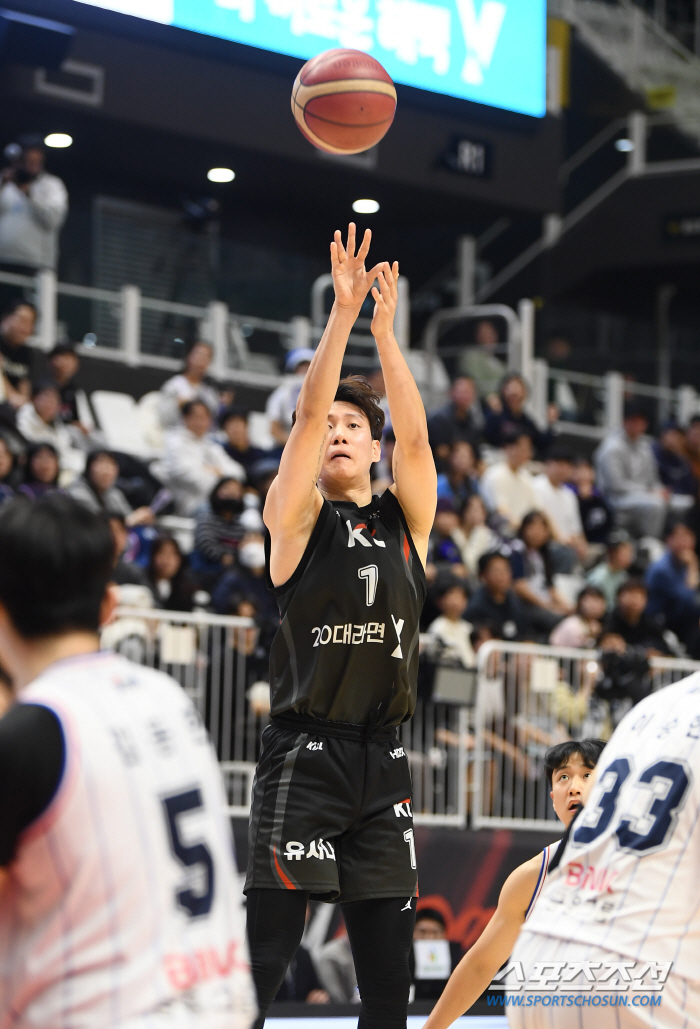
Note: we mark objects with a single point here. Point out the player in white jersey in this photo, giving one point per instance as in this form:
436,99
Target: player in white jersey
119,899
627,888
569,770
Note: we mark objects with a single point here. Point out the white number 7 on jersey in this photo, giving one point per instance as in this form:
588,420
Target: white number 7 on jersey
370,573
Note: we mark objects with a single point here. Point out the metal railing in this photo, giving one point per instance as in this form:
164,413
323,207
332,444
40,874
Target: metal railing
529,698
210,656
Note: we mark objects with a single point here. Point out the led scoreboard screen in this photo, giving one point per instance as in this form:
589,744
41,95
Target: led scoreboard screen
488,51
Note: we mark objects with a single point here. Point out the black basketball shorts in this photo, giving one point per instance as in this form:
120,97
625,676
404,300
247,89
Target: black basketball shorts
331,813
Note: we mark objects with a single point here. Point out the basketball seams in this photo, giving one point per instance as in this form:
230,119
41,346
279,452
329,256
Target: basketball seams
303,94
327,66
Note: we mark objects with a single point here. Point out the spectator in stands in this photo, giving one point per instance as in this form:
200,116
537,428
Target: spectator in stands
41,471
443,548
582,628
16,357
609,575
220,529
382,471
596,517
40,422
247,579
629,477
33,207
495,603
479,362
631,621
450,631
168,576
336,968
673,581
7,472
301,981
459,481
262,474
533,576
473,536
507,486
193,462
234,423
430,926
460,419
675,472
125,572
65,364
561,506
190,384
506,415
97,489
282,402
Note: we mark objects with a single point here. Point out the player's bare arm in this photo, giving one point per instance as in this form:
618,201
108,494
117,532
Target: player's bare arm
415,477
294,500
481,962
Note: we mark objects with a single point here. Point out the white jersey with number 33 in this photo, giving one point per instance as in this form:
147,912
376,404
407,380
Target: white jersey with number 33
123,907
628,880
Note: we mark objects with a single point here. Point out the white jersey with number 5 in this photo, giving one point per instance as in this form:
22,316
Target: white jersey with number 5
628,880
123,907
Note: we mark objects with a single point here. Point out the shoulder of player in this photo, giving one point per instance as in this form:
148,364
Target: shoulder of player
520,885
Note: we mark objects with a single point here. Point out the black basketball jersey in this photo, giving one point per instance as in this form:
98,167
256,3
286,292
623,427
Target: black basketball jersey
347,646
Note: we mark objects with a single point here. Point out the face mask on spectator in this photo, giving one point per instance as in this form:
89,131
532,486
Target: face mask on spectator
227,505
252,555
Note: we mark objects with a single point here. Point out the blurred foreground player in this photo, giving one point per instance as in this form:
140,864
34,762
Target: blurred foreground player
627,886
569,770
331,815
119,902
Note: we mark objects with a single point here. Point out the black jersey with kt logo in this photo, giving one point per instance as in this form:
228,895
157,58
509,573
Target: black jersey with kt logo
347,646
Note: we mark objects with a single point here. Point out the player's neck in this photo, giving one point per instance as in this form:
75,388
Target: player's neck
27,659
360,494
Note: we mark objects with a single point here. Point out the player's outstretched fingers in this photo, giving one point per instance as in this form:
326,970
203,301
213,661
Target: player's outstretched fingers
364,249
351,240
339,245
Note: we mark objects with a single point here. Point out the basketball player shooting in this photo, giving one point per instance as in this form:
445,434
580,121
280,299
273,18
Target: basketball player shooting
331,816
569,770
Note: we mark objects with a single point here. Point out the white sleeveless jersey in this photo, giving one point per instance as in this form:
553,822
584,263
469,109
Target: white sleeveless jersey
123,905
547,855
628,880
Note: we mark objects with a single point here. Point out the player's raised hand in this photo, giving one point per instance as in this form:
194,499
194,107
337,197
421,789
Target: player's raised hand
351,281
386,296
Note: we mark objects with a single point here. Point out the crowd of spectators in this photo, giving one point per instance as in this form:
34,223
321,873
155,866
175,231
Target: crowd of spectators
532,540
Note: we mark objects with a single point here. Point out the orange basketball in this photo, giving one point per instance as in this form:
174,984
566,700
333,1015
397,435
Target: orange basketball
343,101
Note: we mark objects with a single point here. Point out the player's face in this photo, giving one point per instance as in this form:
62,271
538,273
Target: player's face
350,449
571,785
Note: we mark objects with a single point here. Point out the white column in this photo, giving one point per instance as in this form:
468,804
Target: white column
637,133
614,400
526,314
539,394
130,328
466,270
300,332
217,332
402,320
46,303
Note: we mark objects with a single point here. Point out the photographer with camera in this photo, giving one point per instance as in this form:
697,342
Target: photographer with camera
33,207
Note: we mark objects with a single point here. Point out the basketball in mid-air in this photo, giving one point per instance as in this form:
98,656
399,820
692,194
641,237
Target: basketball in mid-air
343,101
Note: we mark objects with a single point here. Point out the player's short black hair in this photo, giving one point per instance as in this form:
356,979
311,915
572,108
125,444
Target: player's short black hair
355,389
55,562
589,751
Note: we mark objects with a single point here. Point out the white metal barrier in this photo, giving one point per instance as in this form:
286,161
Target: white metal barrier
211,656
529,698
